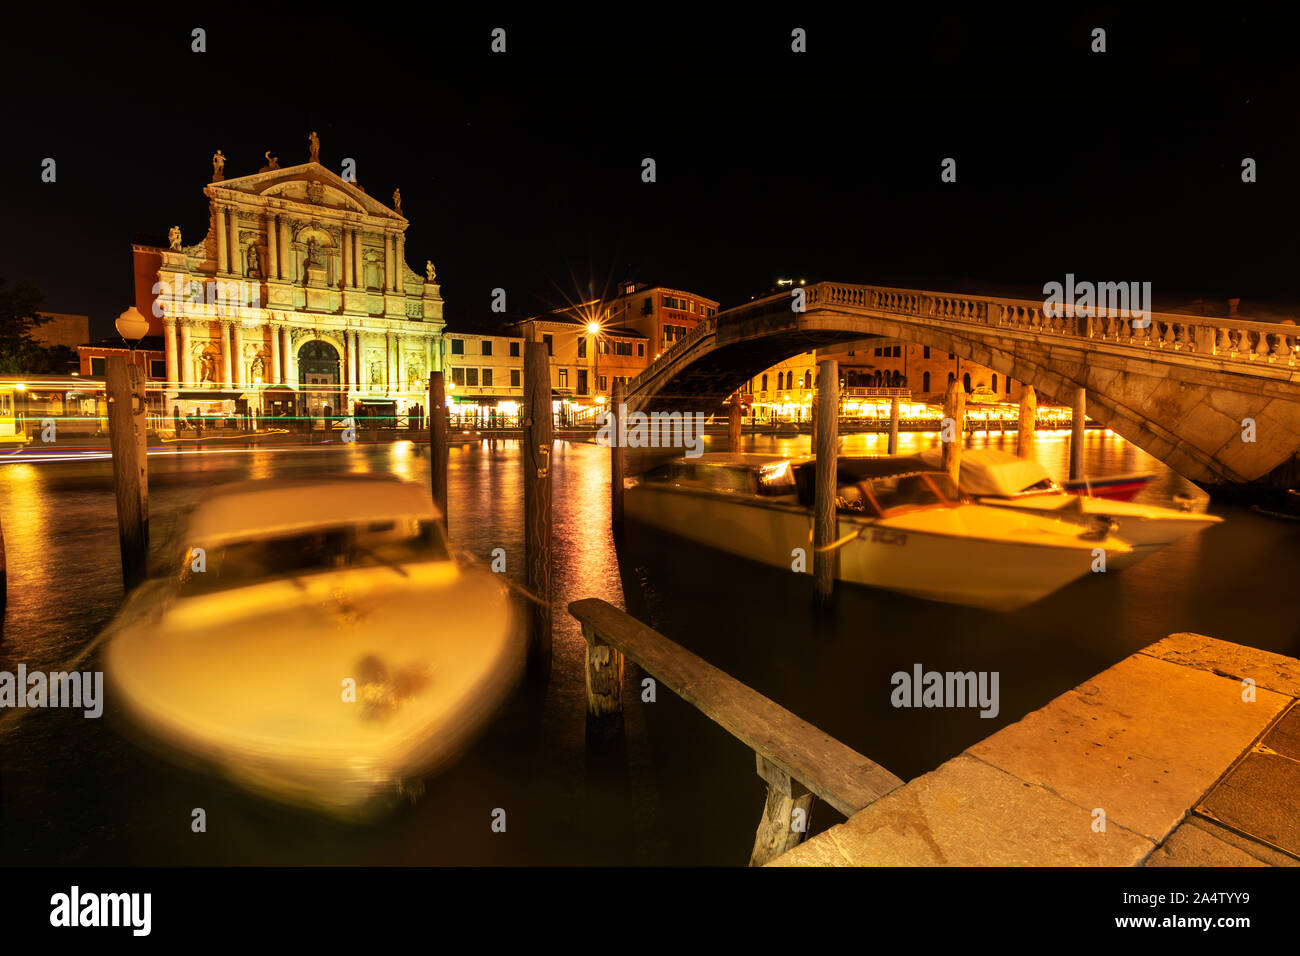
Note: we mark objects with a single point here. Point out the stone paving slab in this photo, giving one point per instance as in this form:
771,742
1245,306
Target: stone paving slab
1200,842
967,813
1274,672
1261,798
1145,741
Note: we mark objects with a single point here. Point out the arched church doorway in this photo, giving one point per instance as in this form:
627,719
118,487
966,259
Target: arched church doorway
319,379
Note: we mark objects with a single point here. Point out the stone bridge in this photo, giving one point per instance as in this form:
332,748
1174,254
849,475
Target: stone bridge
1181,389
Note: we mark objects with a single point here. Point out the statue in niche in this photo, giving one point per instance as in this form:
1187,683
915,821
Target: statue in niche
174,238
218,166
376,372
397,201
429,272
313,252
413,374
254,262
207,368
258,366
272,162
315,148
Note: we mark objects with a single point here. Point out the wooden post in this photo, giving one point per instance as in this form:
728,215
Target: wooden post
785,815
812,447
604,683
733,425
893,425
617,456
127,435
4,579
954,408
438,444
826,448
1078,415
1026,424
537,443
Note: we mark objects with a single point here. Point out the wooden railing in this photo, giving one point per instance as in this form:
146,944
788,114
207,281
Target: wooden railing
797,760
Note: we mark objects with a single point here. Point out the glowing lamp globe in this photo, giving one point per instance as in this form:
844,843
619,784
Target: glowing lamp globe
593,327
131,325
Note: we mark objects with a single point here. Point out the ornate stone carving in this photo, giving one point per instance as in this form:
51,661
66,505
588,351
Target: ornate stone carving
429,272
397,201
315,193
218,166
272,162
314,155
174,238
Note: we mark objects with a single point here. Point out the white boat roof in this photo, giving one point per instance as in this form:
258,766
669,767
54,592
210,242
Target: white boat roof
990,471
268,508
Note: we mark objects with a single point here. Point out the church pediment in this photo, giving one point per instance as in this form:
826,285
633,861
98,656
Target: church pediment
310,184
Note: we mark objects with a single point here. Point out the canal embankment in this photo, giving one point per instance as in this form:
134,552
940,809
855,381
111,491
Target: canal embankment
1186,753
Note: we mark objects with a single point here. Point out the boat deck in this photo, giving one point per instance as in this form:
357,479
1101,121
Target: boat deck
1166,744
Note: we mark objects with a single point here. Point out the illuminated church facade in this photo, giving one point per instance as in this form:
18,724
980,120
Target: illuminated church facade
298,298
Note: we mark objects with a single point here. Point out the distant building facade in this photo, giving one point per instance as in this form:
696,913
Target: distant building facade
62,329
297,298
660,314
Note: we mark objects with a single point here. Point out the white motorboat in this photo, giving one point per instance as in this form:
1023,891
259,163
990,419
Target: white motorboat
901,526
1001,479
315,642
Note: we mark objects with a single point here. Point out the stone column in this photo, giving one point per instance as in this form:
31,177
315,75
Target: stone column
237,329
169,333
359,262
186,373
286,250
235,264
273,246
398,283
275,355
388,262
347,261
227,363
290,366
358,360
223,263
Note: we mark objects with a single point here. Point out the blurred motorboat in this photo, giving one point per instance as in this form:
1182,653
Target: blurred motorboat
901,526
1115,487
1001,479
316,642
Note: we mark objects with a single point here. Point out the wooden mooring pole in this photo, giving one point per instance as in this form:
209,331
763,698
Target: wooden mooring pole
826,447
1027,422
954,410
127,438
438,444
617,457
537,442
4,579
893,425
733,425
1078,414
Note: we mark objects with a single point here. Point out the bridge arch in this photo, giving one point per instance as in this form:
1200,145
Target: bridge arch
1184,388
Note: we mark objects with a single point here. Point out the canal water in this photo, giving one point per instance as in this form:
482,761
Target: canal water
674,789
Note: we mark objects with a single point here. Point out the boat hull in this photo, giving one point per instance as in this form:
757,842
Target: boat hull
945,555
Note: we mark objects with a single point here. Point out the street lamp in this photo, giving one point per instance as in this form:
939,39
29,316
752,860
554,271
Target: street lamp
132,326
593,328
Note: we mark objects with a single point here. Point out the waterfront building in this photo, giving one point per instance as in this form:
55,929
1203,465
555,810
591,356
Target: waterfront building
483,372
297,299
588,355
660,314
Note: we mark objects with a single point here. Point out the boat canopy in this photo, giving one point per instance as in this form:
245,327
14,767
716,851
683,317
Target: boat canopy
989,471
274,508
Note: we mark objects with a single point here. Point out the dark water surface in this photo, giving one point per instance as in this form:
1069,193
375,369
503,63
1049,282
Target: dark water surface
675,788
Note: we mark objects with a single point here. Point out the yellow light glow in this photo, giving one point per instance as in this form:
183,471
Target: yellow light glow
593,327
20,387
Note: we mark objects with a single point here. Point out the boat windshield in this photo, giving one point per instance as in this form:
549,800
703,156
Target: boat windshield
888,494
390,544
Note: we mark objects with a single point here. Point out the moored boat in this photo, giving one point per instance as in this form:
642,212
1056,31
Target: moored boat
901,526
315,642
1115,487
1001,479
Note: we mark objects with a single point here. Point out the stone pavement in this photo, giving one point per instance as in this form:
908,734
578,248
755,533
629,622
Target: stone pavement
1166,748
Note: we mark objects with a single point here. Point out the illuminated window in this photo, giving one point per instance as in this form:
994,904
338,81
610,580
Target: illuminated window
564,378
458,376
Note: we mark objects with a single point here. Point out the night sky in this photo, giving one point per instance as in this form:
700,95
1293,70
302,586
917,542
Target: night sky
523,170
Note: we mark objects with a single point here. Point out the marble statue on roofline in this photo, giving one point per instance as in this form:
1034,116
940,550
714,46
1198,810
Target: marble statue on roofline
218,166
